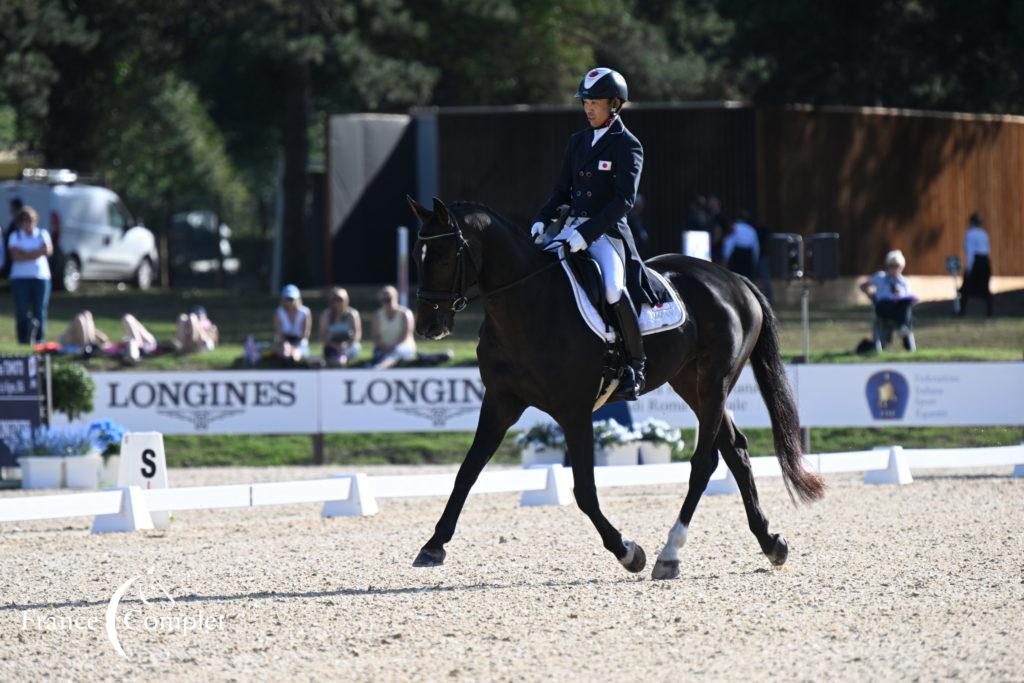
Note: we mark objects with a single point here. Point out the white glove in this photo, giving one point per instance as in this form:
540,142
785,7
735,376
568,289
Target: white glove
577,242
537,230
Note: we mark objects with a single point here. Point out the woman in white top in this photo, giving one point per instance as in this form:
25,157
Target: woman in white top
392,331
30,247
340,329
293,324
977,267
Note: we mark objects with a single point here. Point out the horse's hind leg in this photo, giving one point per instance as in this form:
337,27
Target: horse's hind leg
710,407
733,446
579,438
497,414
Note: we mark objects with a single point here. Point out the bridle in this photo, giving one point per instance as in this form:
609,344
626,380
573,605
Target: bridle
457,297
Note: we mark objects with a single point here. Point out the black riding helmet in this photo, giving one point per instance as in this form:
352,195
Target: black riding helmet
603,84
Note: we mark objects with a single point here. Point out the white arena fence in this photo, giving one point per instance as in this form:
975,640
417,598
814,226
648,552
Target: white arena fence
130,508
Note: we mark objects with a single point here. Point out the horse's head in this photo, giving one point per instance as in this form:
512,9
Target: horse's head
446,269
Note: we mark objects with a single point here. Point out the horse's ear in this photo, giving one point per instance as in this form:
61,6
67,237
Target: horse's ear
421,212
441,211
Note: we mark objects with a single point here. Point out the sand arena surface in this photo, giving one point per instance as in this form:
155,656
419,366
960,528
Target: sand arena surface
918,582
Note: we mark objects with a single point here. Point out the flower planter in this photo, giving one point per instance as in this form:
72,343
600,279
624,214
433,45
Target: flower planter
622,454
41,471
83,471
543,456
655,453
111,470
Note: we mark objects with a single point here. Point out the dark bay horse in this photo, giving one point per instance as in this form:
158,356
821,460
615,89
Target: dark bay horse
535,350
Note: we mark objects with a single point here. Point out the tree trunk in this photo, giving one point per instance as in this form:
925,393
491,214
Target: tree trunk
296,159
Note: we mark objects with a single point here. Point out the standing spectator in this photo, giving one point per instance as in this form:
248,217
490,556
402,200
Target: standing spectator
718,226
890,293
293,324
30,246
741,248
978,269
5,235
340,330
392,331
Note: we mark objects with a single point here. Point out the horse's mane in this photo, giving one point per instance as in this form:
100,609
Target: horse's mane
463,208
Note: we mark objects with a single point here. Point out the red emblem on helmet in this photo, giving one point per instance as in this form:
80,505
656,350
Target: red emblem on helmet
592,73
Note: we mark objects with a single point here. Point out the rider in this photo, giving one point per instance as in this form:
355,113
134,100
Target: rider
599,178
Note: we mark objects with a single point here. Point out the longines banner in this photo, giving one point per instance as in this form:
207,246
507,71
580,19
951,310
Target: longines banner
257,402
429,399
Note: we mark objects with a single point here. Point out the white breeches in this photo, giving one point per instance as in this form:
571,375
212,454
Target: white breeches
613,272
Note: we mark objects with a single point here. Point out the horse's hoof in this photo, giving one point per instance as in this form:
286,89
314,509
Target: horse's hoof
635,559
429,557
665,569
779,552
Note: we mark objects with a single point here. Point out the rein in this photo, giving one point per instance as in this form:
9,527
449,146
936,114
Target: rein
456,297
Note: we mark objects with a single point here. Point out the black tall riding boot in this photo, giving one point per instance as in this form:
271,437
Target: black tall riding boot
632,383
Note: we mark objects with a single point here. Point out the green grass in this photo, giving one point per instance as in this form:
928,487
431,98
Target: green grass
450,447
835,330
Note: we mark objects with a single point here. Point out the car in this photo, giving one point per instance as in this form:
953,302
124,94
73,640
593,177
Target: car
95,236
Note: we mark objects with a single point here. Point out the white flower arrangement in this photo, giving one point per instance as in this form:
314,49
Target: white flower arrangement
543,435
657,431
611,433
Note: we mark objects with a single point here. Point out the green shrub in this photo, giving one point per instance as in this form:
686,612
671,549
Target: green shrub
72,390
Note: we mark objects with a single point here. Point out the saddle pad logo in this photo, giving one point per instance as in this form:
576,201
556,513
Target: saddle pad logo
888,394
604,165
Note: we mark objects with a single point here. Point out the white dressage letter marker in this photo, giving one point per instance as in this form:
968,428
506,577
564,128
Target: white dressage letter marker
557,489
360,502
143,464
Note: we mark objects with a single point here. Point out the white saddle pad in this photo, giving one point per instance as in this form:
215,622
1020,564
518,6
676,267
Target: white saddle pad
653,319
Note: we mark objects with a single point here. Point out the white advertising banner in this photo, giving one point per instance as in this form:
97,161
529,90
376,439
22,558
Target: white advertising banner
432,399
225,402
912,394
400,400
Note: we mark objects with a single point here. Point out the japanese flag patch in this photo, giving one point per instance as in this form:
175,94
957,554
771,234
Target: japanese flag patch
604,165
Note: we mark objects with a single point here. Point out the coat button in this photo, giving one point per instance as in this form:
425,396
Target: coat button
589,193
578,193
583,213
581,174
589,173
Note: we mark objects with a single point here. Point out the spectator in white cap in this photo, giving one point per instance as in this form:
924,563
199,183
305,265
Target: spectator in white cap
293,323
890,293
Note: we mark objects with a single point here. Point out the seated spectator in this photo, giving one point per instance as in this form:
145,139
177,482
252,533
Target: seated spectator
293,324
392,331
890,293
196,332
340,330
82,336
741,249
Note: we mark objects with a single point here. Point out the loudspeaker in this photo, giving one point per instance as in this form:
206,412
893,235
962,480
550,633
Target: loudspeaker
823,256
785,256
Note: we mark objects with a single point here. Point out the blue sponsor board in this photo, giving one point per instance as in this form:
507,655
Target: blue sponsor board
19,401
888,395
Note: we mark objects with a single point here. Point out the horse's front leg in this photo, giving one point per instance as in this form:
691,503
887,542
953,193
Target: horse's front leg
498,412
579,438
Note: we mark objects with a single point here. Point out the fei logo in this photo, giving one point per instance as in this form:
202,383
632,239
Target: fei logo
888,394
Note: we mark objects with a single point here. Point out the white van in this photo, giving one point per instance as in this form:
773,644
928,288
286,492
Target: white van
94,235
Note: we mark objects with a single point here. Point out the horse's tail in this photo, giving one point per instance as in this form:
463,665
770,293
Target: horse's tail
778,397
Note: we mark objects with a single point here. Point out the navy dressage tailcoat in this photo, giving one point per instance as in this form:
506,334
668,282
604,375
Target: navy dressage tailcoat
599,183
